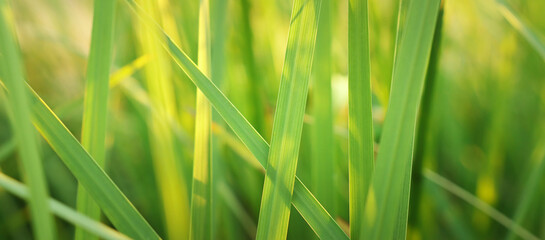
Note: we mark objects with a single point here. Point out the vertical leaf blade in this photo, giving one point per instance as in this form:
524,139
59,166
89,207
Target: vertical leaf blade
316,216
11,70
166,162
95,112
201,197
386,206
323,160
360,121
288,121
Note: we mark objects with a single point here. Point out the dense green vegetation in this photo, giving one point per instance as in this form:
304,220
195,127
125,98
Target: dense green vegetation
291,119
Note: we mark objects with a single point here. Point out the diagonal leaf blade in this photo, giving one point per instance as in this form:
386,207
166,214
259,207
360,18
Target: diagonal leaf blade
91,226
102,189
316,216
522,27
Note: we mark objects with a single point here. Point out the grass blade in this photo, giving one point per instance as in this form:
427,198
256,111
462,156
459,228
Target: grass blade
386,206
201,197
323,164
288,121
220,219
166,163
256,84
522,27
12,72
313,212
102,189
93,134
360,121
424,119
479,204
530,190
63,211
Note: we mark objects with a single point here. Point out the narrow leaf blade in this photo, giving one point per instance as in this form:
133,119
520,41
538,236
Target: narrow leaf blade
387,201
11,70
288,121
93,134
360,121
317,217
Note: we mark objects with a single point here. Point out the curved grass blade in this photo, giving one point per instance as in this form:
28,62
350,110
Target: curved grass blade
522,27
479,204
91,226
102,189
288,121
11,70
323,159
200,221
95,104
313,212
360,121
386,207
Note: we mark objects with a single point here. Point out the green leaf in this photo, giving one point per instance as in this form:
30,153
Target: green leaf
11,70
95,103
303,200
386,207
63,211
288,121
479,204
255,83
99,186
221,220
167,164
200,220
360,121
529,193
323,159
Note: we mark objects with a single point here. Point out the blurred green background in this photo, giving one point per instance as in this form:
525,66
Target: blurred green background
484,110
